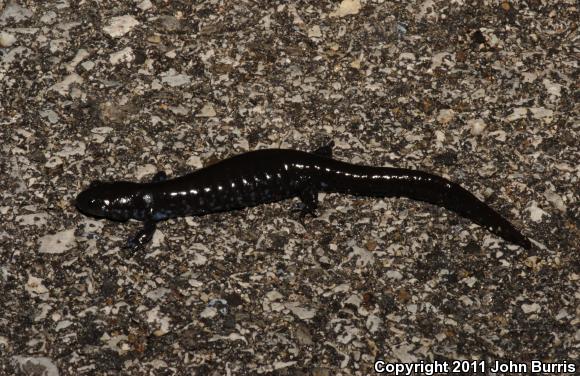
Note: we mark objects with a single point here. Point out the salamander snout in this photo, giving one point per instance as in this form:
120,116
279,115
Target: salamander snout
114,200
87,203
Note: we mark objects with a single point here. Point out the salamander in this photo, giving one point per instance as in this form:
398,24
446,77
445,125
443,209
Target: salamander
271,175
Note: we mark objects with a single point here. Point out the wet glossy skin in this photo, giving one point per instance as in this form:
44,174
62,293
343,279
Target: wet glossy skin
264,176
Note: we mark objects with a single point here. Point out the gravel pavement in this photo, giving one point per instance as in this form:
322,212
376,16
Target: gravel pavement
485,93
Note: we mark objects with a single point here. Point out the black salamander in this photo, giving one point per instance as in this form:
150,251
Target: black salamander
271,175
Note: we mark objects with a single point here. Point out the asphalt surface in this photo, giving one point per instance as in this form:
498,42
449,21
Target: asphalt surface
482,92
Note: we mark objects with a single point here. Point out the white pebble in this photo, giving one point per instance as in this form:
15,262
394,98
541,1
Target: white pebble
145,170
119,26
445,116
556,200
145,5
477,126
48,18
34,219
314,32
63,86
173,79
14,13
531,308
126,55
536,213
6,40
208,313
57,243
194,161
207,111
346,7
301,312
40,365
394,274
35,287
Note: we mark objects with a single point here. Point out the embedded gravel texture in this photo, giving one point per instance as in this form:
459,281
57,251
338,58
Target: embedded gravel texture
482,92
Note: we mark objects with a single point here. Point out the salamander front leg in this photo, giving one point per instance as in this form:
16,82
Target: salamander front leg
143,236
160,176
326,150
309,201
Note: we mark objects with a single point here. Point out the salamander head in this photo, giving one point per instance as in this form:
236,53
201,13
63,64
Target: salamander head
115,200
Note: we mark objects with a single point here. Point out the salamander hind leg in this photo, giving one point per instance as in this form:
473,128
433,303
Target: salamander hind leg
143,236
309,201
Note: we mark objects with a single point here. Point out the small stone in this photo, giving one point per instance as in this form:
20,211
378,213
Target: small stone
36,366
126,55
6,39
315,32
169,23
407,56
157,293
296,99
531,308
80,56
517,113
552,88
64,86
500,135
274,296
179,110
556,200
154,38
34,219
470,281
48,18
207,111
145,170
199,259
145,5
353,300
356,63
53,162
445,116
373,323
394,274
88,65
477,126
208,313
442,58
303,335
529,77
426,10
35,287
173,79
57,45
346,7
49,115
301,312
536,214
119,26
14,13
72,148
63,325
194,161
57,243
478,94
